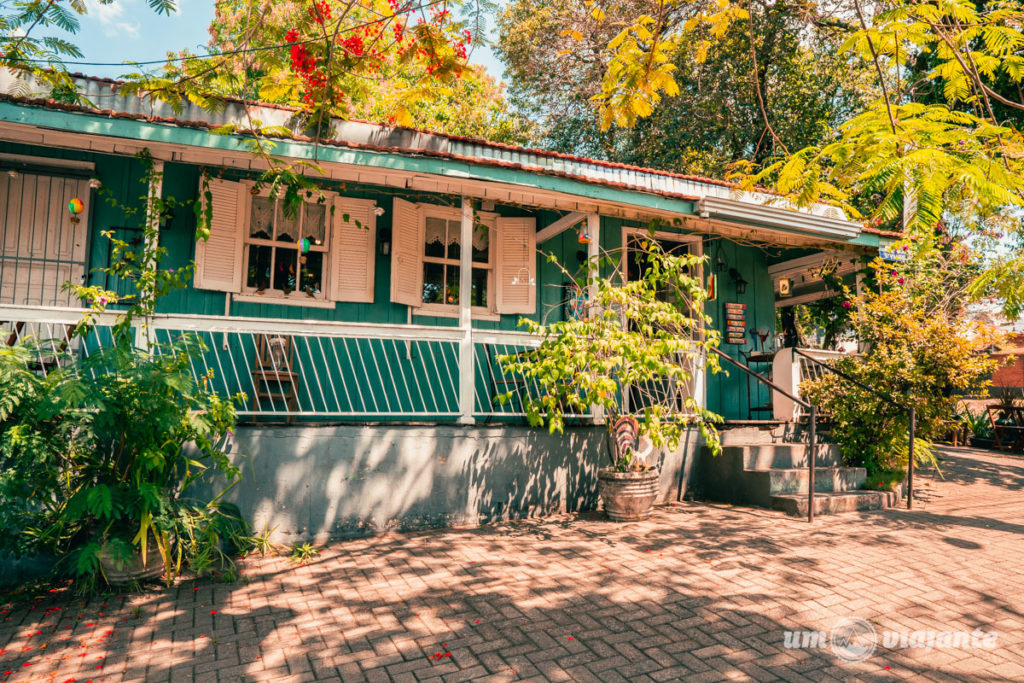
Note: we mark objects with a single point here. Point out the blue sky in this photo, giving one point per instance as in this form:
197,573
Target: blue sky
128,30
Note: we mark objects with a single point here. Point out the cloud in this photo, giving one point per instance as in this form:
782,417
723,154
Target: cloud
105,14
111,18
128,30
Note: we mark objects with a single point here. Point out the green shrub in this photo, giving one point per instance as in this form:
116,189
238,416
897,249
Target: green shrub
919,349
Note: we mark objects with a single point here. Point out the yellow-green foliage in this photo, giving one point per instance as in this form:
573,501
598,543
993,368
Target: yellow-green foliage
648,331
919,349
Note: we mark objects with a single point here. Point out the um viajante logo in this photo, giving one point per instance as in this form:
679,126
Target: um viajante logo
853,639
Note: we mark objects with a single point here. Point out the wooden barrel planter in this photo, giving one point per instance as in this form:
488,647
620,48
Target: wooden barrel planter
628,496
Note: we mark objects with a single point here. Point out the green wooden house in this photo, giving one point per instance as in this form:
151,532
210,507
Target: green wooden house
364,331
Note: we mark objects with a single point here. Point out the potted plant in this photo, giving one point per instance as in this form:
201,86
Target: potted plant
629,360
93,461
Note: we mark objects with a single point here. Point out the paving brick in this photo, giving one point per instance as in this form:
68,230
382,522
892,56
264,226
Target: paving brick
697,592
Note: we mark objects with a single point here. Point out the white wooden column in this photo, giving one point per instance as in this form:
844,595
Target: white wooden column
594,259
467,369
156,187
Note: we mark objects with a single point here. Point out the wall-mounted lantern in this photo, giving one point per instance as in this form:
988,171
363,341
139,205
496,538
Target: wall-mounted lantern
737,279
384,241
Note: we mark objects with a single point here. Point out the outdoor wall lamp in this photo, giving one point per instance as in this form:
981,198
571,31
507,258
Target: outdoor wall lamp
167,218
737,279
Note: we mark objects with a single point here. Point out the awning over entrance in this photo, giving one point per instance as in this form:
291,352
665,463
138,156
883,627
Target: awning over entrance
777,219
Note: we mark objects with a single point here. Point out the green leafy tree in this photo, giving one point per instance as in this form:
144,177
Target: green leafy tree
557,54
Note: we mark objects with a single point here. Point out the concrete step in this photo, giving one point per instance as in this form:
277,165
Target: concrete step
747,433
781,455
834,503
826,479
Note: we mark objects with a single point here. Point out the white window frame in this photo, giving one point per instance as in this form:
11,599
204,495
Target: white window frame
272,296
447,213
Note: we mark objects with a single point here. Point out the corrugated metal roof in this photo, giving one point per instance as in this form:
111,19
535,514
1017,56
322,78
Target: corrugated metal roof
105,95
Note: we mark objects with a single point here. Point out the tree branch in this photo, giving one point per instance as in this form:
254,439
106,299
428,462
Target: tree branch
878,66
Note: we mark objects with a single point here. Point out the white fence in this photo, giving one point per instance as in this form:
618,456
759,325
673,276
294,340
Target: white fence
310,369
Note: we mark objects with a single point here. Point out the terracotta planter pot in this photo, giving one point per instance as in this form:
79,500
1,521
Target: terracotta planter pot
133,570
628,496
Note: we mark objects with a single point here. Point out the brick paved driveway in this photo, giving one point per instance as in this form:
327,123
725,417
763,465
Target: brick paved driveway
697,593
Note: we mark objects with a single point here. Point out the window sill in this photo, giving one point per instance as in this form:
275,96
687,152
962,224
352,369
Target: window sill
446,312
304,302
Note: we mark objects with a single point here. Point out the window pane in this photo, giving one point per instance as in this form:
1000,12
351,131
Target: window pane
433,279
311,268
261,223
481,243
454,239
259,267
451,290
313,223
435,237
479,287
287,226
284,269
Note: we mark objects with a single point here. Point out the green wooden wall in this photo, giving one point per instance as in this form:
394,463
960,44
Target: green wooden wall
121,177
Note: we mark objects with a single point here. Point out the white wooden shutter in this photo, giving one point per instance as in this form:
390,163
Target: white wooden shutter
406,254
353,239
40,248
517,263
219,259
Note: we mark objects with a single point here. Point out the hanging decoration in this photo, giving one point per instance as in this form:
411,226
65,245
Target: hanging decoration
583,237
303,245
712,287
528,280
76,206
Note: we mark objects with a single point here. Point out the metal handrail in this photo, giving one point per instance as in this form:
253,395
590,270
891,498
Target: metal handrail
907,407
813,412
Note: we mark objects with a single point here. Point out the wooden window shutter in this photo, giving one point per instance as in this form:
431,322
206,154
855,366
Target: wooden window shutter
516,276
406,254
353,250
219,259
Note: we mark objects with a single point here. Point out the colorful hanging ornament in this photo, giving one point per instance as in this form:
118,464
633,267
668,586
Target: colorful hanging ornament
76,206
303,245
583,237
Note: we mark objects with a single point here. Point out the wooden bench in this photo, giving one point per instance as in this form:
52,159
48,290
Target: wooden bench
1007,426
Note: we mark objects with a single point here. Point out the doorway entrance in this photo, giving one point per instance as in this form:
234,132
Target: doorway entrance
635,261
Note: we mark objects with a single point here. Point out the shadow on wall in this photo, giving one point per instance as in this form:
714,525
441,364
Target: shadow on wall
336,482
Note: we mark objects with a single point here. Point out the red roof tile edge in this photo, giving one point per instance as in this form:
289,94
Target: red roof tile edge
477,141
204,125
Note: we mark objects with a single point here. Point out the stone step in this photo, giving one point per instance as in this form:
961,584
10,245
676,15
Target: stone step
768,433
826,479
834,503
789,455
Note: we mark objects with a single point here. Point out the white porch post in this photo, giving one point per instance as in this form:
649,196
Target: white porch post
594,258
467,375
153,196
